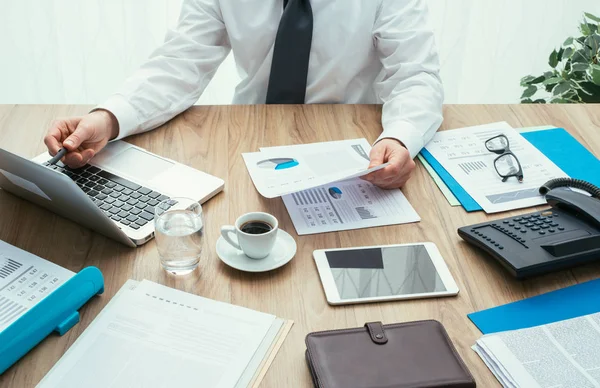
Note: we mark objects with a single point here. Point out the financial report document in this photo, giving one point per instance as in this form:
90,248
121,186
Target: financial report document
154,336
25,280
561,354
463,154
278,171
347,205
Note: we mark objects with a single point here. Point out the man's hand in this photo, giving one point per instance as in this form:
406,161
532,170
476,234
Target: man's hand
82,136
399,170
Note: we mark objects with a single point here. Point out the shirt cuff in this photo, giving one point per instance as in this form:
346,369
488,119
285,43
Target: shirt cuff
125,114
405,133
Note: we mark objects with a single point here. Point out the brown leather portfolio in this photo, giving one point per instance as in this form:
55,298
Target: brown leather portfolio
414,354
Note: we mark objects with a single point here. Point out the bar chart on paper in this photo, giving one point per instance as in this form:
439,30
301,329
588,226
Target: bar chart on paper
469,167
24,281
346,205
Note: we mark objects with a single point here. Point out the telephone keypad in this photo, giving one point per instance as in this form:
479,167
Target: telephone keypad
517,228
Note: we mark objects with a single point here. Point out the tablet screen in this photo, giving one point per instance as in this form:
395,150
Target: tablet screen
388,271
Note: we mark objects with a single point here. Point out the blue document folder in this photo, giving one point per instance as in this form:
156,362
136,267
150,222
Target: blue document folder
557,144
58,312
571,302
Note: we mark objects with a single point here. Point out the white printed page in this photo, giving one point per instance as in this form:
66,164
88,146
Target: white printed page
562,354
283,170
463,154
25,280
346,205
160,337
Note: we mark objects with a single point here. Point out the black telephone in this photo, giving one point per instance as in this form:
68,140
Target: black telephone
566,235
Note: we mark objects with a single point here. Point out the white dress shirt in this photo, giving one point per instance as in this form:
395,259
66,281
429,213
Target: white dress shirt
363,52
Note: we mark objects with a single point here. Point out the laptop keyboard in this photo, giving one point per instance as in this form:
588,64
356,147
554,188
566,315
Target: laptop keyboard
123,201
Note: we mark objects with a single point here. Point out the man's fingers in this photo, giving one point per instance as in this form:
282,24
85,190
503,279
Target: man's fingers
52,141
81,134
87,155
377,156
74,159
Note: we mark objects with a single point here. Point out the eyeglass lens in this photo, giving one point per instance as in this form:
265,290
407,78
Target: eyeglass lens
497,144
507,165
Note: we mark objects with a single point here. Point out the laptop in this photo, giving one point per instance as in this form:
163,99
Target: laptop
115,194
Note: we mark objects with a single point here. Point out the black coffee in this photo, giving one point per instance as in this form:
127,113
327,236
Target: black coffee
256,227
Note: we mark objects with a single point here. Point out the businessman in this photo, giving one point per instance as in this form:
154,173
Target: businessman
287,52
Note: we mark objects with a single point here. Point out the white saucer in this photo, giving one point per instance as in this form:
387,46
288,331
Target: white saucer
283,252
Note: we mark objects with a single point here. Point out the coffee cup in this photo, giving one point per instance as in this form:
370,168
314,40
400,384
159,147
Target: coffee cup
253,233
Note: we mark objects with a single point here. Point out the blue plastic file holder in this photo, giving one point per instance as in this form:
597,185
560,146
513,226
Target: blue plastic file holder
57,312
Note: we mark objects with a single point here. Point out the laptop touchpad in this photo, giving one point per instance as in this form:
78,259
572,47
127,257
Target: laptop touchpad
135,163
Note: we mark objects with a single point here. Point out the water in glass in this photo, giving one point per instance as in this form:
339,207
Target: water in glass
179,235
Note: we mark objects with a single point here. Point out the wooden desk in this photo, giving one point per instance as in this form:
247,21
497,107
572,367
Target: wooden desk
212,139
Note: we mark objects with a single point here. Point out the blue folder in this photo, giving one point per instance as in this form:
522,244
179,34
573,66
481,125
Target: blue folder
571,302
56,312
557,144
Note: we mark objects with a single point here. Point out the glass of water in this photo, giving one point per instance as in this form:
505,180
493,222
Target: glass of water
179,230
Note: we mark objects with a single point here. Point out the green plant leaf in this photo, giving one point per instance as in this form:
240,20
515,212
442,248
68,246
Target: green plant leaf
561,88
530,91
568,52
526,81
553,61
594,73
540,101
592,17
585,29
569,41
560,54
552,81
527,101
579,67
537,80
593,42
580,56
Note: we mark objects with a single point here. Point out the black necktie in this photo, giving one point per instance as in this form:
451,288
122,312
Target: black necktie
287,82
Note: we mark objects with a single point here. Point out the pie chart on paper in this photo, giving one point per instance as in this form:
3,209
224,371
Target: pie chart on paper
335,192
278,163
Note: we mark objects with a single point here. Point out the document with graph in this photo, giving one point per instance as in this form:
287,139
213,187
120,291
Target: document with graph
462,152
278,171
346,205
25,280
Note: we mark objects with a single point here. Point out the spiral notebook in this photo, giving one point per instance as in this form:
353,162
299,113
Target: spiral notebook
152,335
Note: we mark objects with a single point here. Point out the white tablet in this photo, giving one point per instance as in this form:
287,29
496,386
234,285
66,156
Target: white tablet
383,273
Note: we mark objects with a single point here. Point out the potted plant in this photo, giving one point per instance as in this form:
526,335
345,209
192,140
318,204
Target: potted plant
575,70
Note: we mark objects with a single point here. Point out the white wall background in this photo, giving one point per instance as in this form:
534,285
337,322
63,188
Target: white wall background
79,51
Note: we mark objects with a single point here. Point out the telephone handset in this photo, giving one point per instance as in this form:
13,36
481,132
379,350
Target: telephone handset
563,236
585,206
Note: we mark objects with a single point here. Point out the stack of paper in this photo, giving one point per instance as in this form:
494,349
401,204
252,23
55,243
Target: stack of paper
25,280
560,354
154,336
321,188
461,153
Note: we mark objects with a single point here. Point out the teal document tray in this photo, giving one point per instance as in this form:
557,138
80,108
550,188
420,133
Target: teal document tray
57,312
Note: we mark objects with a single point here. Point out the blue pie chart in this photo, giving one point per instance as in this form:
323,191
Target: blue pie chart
335,192
278,163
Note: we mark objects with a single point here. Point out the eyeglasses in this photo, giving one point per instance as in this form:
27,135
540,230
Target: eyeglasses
507,165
